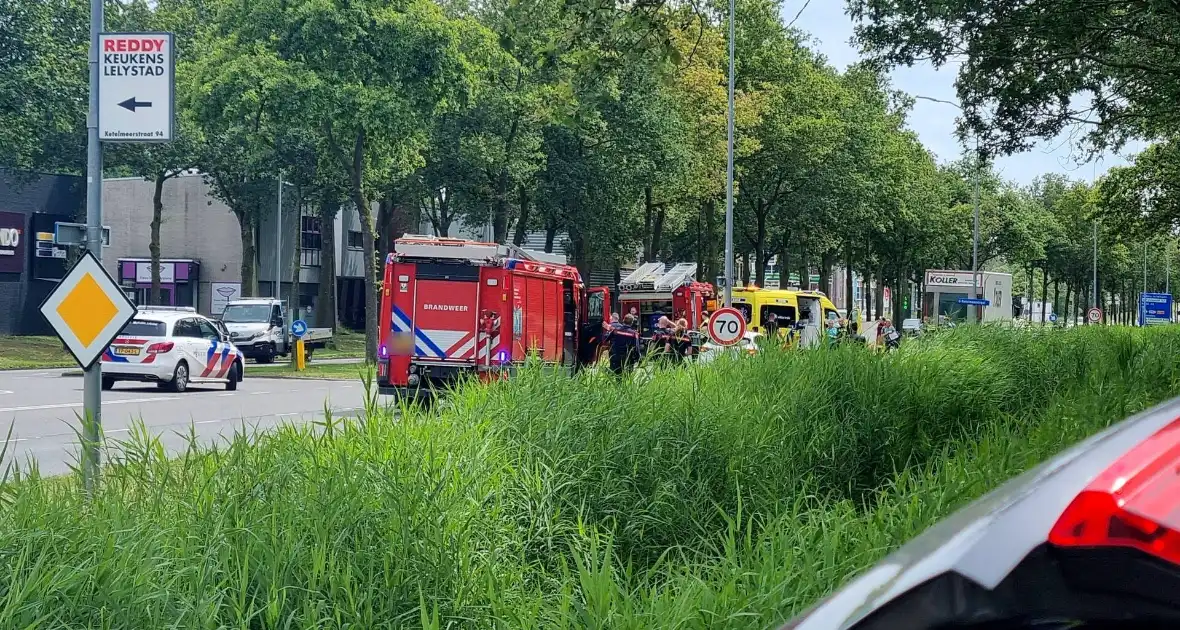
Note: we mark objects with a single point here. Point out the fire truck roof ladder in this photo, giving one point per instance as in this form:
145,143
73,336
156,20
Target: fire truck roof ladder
677,277
533,255
643,278
417,246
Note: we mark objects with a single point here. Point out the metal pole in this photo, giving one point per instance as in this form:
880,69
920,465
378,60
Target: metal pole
1142,307
974,310
279,242
1094,298
92,385
729,172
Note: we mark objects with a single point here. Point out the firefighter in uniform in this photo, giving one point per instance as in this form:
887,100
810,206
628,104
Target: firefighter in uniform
624,345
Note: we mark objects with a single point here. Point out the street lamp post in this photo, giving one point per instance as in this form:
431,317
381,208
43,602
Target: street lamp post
279,242
1095,300
729,170
974,309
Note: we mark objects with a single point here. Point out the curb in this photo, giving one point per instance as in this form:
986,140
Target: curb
77,373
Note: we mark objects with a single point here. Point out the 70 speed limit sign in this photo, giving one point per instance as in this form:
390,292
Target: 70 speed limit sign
727,326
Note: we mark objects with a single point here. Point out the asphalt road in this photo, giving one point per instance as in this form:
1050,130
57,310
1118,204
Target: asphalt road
42,407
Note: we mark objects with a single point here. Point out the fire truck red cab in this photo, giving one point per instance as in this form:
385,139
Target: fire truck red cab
656,289
452,308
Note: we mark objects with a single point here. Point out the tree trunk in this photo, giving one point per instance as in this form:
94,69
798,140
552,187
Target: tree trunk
1066,314
249,253
866,292
325,314
848,305
297,236
784,260
657,232
154,245
1044,296
550,235
1031,293
746,269
760,246
500,214
709,208
804,272
827,261
1056,295
648,219
522,222
368,236
898,313
879,292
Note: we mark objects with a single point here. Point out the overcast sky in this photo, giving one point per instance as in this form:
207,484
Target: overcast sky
827,23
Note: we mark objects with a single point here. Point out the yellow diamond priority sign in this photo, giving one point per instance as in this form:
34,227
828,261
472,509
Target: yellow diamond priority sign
87,310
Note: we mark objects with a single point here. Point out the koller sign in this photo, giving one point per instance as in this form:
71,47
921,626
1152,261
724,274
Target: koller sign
136,87
954,279
12,242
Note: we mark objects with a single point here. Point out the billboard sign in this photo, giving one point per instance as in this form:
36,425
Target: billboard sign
936,280
49,256
1155,309
13,227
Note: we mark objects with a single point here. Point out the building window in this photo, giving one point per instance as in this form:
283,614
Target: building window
356,240
310,241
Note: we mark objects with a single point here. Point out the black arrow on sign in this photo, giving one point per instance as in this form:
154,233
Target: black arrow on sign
131,104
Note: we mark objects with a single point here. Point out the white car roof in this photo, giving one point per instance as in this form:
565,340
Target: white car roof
165,316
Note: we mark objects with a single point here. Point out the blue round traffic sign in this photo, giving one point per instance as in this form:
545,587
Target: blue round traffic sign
298,328
1052,317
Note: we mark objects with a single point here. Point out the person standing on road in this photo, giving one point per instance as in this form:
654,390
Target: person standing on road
624,346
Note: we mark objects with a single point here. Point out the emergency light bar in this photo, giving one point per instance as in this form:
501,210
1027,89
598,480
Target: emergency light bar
1133,503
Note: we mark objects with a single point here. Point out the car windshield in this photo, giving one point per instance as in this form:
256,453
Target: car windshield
143,328
246,313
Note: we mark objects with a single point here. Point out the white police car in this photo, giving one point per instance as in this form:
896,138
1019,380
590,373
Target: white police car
172,347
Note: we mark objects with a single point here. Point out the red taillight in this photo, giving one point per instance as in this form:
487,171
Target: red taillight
1134,503
162,347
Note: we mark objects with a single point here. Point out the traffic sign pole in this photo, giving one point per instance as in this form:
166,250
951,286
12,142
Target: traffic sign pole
92,384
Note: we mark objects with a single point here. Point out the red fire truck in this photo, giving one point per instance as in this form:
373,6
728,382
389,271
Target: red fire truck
453,307
656,289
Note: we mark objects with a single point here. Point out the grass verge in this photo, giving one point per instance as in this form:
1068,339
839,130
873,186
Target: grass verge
18,353
345,344
726,496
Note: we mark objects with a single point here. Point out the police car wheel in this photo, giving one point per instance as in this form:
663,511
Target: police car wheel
235,376
179,382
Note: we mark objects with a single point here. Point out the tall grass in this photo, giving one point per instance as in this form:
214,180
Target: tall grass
723,496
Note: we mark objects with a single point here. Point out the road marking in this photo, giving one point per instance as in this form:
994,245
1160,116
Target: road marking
125,401
4,391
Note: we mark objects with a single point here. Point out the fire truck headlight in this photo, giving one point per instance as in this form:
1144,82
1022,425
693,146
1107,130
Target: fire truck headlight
412,380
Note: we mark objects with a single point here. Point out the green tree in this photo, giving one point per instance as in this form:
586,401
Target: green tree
1036,67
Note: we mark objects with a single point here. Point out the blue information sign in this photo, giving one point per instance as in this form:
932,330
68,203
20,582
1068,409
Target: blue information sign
974,301
298,328
1155,309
